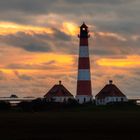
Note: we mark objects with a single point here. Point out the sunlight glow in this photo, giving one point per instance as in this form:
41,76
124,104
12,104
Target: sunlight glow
70,28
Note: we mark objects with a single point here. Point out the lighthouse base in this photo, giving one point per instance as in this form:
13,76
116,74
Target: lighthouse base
83,99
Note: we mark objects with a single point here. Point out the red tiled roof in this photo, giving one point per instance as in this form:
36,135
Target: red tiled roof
58,90
110,90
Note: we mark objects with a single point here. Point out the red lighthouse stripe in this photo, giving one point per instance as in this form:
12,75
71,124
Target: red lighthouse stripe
83,42
84,63
84,88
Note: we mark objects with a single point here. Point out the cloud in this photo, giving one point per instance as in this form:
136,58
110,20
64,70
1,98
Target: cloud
43,66
38,40
102,2
2,76
59,35
129,61
22,76
26,41
26,5
32,38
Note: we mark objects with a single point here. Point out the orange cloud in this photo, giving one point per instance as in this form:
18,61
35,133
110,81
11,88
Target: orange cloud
12,28
58,58
41,63
129,61
10,71
7,28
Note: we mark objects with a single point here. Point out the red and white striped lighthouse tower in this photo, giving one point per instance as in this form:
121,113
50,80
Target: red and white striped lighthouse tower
84,91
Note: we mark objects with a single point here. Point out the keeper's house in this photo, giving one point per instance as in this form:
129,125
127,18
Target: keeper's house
58,93
110,94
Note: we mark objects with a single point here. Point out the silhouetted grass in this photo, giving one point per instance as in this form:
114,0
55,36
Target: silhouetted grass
80,122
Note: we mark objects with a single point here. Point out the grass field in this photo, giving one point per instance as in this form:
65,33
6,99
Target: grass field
88,123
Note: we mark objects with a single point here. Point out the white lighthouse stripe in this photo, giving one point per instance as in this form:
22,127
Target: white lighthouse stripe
84,51
83,74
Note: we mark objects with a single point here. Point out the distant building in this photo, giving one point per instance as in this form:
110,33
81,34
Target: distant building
13,96
110,94
58,93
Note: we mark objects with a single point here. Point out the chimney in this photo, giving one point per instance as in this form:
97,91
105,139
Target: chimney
110,82
60,82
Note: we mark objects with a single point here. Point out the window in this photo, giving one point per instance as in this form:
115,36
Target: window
84,100
64,100
121,99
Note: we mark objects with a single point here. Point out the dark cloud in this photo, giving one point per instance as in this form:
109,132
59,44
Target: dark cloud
118,44
35,42
22,76
26,41
98,1
58,35
108,15
61,42
102,52
46,5
26,5
64,6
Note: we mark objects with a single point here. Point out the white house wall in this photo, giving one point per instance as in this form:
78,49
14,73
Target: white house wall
62,99
83,98
106,100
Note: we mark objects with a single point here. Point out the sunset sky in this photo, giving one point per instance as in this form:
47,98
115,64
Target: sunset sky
39,44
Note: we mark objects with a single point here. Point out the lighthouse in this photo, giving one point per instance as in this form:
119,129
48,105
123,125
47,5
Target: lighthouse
84,91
